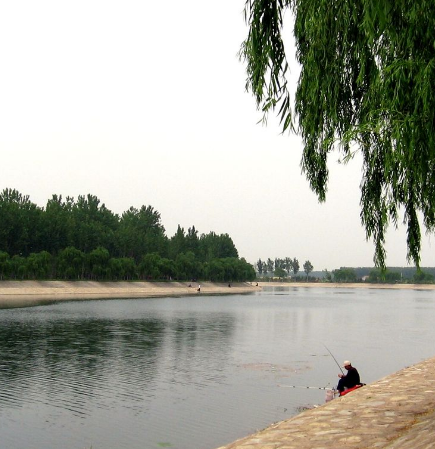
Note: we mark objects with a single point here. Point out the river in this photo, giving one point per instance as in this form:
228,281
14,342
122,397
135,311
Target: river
194,372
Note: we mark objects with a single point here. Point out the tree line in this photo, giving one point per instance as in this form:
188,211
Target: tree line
378,276
282,268
82,239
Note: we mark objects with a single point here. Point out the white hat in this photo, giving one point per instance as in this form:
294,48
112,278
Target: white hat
346,363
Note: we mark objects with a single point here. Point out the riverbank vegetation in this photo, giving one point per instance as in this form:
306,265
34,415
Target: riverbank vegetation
377,276
391,275
83,239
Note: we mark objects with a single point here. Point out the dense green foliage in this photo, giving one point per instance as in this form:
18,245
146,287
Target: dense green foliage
344,275
384,276
404,274
391,277
83,239
366,84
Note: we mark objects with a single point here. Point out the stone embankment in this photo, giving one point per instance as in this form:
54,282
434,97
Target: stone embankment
28,293
395,412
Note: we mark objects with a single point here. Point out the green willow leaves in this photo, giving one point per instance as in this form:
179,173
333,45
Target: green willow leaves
366,84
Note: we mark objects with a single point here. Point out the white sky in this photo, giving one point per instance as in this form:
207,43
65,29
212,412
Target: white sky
144,103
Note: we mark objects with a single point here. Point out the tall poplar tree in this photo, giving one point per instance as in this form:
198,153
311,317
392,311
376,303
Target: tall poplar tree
366,84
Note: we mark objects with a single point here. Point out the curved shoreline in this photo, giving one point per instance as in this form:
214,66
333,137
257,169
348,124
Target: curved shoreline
31,293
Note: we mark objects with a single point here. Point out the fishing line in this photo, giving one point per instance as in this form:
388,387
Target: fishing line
303,386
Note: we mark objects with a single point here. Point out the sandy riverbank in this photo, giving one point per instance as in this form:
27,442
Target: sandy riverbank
28,293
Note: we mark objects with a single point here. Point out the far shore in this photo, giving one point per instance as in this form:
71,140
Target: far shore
30,293
348,285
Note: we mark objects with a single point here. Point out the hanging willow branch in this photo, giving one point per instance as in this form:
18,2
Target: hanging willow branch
366,82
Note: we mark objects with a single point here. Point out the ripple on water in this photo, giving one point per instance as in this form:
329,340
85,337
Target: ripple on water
186,372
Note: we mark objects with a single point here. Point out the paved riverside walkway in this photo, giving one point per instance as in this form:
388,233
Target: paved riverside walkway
395,412
31,293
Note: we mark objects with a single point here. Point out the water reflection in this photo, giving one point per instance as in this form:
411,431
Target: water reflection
192,372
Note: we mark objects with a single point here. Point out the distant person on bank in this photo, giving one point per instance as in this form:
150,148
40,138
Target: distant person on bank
349,380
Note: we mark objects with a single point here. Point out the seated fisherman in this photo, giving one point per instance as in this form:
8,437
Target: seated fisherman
349,380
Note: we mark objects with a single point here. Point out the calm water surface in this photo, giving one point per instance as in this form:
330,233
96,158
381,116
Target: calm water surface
196,372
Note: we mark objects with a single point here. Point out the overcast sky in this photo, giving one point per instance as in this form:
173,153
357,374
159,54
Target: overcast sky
144,103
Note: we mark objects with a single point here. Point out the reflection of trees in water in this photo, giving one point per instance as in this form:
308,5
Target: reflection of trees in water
199,344
65,357
135,350
78,355
77,363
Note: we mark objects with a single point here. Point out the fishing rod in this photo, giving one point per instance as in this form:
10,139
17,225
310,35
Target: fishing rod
342,372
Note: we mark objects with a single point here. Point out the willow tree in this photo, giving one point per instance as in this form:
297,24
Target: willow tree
366,84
